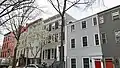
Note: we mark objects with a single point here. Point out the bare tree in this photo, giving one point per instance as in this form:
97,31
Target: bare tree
17,20
9,6
62,6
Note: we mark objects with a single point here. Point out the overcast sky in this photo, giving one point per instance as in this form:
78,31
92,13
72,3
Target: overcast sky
77,13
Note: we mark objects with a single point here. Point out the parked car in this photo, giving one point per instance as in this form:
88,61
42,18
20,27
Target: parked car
33,66
4,63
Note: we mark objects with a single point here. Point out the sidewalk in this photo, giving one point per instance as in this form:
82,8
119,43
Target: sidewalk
16,67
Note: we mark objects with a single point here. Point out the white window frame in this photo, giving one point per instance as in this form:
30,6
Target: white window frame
105,38
82,41
52,54
117,41
115,13
46,53
72,29
53,26
83,62
74,43
93,21
101,19
70,61
95,39
82,23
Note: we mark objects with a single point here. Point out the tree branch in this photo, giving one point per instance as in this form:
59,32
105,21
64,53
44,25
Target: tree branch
77,1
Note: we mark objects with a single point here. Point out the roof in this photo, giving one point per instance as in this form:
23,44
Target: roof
108,9
34,22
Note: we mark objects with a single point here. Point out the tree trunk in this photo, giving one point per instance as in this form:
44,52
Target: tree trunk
14,57
62,39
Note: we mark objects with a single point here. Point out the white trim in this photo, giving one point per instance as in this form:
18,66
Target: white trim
81,24
116,36
114,13
82,41
95,40
105,37
72,30
70,43
89,62
93,21
75,59
101,18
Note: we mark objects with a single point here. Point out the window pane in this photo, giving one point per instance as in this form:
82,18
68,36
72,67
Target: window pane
101,19
86,62
72,43
73,63
95,21
56,25
72,27
104,40
115,15
85,41
84,24
96,39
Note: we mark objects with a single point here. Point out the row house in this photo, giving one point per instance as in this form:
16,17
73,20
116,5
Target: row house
53,26
8,45
30,42
94,41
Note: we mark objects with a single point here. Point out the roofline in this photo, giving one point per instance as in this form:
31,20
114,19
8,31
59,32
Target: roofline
34,22
96,14
108,9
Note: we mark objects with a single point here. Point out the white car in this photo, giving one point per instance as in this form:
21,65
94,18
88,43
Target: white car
33,66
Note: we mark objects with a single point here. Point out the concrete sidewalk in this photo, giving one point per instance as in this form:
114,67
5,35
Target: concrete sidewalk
16,67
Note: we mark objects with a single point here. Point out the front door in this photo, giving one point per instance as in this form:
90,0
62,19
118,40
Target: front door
109,63
97,64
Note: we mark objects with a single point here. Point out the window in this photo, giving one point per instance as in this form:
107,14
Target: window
49,29
56,25
115,15
96,39
83,24
73,63
53,37
86,62
72,43
117,36
104,40
101,19
59,35
49,39
84,41
56,37
52,53
46,51
53,26
72,28
95,21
